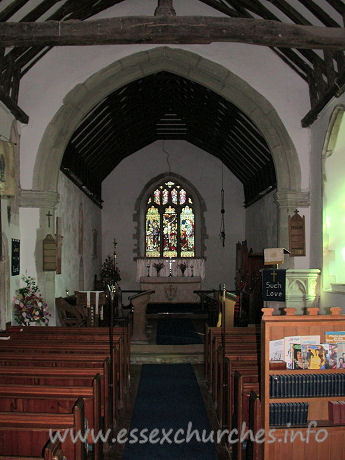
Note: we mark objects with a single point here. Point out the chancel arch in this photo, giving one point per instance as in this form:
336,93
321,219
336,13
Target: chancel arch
84,97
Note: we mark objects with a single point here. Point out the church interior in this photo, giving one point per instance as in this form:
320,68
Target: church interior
171,208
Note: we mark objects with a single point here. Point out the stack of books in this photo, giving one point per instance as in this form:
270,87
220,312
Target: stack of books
307,385
336,412
281,414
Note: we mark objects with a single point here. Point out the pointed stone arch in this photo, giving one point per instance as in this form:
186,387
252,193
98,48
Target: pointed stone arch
85,96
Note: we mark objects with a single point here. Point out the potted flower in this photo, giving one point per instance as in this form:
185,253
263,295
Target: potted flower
29,306
158,266
182,267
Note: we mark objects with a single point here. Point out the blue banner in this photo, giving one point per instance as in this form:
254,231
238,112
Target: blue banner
273,285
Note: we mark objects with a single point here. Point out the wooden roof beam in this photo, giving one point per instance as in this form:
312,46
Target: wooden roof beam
189,29
19,114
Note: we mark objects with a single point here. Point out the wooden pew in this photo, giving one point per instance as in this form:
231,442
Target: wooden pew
55,370
229,398
56,399
244,384
214,337
52,451
254,450
121,340
26,434
242,342
233,354
19,346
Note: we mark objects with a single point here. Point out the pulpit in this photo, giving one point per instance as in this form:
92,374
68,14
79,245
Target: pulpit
172,289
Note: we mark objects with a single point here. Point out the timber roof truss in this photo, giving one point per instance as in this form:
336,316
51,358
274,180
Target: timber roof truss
98,144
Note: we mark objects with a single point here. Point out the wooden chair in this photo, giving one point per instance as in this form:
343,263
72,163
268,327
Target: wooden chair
70,315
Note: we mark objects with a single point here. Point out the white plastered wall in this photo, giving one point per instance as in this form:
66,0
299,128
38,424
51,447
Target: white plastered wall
123,186
71,197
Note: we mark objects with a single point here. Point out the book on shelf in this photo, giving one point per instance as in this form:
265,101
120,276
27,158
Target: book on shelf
306,385
335,337
342,412
297,339
336,412
295,413
333,355
277,350
341,356
296,352
317,356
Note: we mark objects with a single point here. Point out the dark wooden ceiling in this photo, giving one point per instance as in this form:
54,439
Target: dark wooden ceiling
166,106
210,122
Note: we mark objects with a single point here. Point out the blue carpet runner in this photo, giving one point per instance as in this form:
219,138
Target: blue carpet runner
176,331
169,398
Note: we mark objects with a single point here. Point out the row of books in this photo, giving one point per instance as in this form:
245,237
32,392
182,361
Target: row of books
306,352
336,412
307,385
280,414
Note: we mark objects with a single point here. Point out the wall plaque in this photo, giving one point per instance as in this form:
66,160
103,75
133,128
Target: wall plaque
297,235
15,262
49,254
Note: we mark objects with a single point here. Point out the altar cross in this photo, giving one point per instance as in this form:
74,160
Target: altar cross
170,265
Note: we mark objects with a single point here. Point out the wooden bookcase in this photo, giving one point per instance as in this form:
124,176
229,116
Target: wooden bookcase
333,447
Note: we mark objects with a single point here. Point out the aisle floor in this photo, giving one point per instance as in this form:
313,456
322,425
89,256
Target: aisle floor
116,451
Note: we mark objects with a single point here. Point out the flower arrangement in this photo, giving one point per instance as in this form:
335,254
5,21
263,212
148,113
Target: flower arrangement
182,267
29,305
158,266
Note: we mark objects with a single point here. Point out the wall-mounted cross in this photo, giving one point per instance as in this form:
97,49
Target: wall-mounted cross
49,215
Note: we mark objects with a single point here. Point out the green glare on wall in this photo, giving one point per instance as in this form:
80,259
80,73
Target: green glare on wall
333,273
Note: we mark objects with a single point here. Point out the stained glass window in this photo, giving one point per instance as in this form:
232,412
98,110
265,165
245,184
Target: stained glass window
153,234
182,196
170,232
156,196
174,196
165,196
187,232
170,222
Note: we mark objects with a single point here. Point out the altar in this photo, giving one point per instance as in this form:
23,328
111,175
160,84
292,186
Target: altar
172,289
